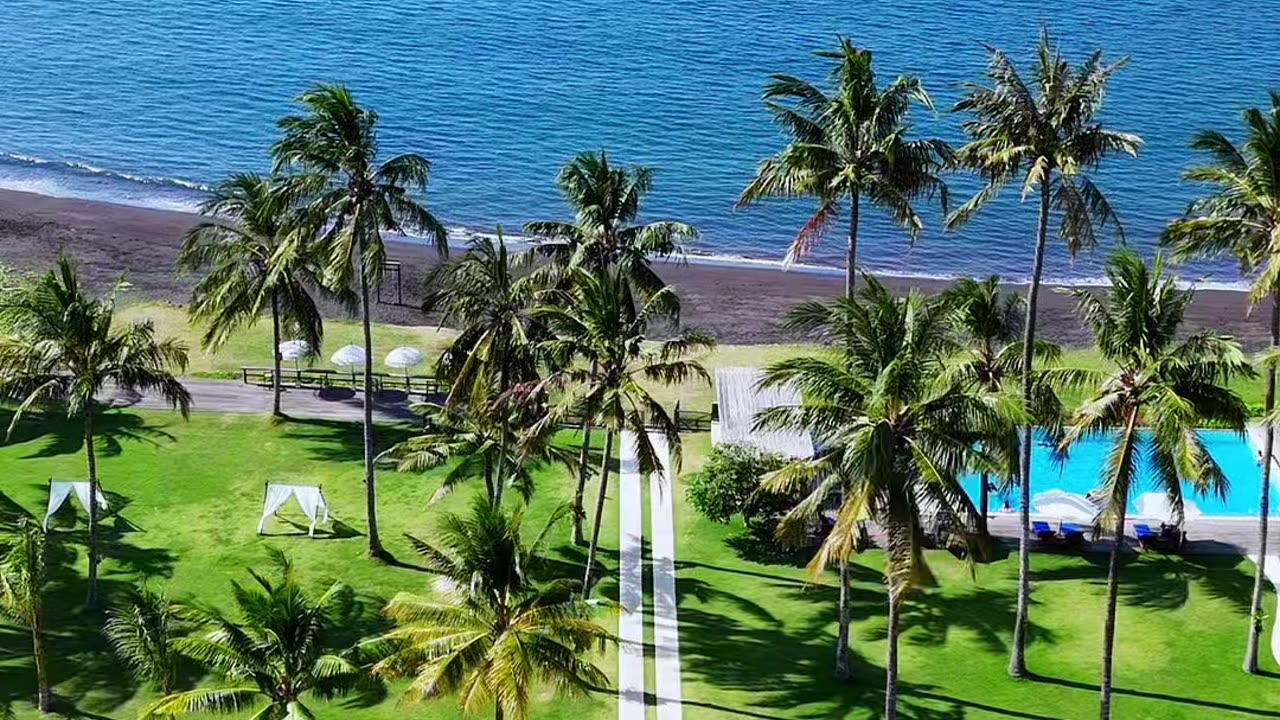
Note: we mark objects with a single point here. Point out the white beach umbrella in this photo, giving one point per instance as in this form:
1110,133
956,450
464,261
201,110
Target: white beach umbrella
404,358
351,356
294,350
1155,506
1065,505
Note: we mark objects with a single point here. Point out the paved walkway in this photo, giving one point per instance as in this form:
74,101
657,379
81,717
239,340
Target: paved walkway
631,585
666,636
233,396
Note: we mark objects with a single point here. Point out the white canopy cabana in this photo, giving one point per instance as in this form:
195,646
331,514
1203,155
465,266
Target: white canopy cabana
1064,505
309,498
60,490
1155,506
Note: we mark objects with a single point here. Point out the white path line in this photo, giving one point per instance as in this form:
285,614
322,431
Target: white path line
666,630
1273,576
631,585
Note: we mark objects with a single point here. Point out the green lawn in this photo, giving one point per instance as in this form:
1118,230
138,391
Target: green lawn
195,491
756,640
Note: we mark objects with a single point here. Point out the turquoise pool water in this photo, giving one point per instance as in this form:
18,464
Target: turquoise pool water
1083,468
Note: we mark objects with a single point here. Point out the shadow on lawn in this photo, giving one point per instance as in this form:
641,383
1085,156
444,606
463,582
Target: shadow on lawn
1161,697
340,440
1164,582
112,429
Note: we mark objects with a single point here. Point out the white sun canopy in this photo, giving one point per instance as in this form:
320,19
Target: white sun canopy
348,356
309,498
294,350
60,490
403,357
1065,505
1156,506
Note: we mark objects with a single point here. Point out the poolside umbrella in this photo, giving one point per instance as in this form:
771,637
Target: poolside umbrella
1155,506
405,358
294,350
1065,506
349,356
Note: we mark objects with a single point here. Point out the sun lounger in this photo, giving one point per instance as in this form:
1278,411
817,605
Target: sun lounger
1072,533
1147,538
1042,530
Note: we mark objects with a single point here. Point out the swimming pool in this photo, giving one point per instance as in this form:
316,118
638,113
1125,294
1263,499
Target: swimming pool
1083,468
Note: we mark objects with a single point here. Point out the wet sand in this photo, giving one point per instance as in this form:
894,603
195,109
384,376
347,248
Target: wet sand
740,305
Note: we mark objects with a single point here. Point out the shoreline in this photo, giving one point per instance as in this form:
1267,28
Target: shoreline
739,300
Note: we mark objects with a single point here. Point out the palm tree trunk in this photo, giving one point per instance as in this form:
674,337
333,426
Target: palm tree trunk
600,496
502,440
851,272
984,503
370,481
275,355
842,632
584,471
1268,447
1017,658
40,654
1109,628
497,710
488,478
91,461
891,660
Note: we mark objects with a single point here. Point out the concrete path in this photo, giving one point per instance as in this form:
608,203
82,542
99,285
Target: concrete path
233,396
666,630
630,585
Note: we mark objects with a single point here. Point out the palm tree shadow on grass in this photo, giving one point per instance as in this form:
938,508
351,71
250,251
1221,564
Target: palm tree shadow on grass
1207,703
339,440
1165,582
53,435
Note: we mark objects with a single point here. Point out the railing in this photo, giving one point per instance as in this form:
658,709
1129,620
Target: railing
685,420
324,378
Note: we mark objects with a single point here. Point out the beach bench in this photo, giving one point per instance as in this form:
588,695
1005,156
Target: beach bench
1148,539
1072,533
1043,531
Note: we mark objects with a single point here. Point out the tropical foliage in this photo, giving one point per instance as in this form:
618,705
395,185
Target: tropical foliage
62,348
1240,216
894,434
1150,406
24,579
354,196
1042,134
144,630
491,631
848,145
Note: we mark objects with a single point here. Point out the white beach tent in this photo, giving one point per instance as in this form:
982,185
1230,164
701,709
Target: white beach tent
309,498
1155,506
60,490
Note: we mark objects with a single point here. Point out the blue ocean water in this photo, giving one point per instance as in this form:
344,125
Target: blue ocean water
139,101
1083,468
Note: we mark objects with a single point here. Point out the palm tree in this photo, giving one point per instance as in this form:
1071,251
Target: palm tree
848,145
63,348
276,648
1149,407
23,579
606,201
1044,137
595,325
988,321
144,630
491,631
1241,217
895,433
335,144
484,445
251,267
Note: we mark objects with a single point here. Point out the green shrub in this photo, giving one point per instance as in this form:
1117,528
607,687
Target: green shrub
729,485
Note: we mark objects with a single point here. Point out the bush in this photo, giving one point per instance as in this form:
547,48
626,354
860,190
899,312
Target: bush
729,485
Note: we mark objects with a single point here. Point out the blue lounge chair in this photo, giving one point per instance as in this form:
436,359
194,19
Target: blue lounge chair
1072,533
1146,537
1042,530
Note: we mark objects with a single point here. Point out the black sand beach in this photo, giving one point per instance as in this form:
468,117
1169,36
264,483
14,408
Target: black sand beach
741,305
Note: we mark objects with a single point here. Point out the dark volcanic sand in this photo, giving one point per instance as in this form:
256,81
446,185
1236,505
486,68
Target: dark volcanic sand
741,305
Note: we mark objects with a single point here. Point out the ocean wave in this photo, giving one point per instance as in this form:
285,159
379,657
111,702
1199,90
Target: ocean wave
83,168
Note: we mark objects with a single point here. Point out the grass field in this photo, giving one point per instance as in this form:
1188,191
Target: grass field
195,492
756,639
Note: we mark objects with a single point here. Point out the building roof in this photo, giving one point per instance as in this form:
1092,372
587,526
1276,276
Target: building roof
739,398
